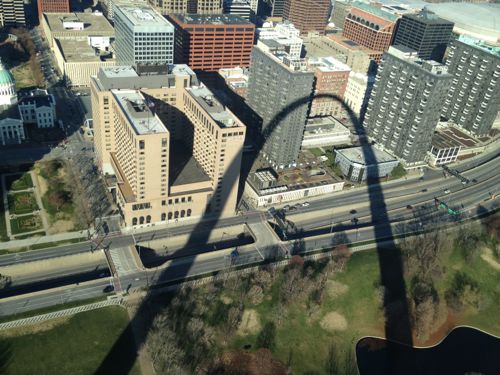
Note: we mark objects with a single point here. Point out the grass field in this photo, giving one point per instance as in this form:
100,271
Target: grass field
18,182
74,346
302,342
23,224
24,76
22,203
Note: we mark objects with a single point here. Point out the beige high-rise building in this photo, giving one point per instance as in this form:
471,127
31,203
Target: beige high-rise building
188,6
166,146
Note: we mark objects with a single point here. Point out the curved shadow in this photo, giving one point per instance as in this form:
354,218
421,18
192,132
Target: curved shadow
463,350
397,321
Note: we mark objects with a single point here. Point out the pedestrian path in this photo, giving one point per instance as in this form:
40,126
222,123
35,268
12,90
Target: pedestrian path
15,244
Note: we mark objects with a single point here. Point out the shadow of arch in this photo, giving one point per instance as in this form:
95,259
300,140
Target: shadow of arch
397,321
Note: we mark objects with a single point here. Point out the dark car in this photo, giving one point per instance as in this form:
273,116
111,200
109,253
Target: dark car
424,190
409,207
352,212
108,289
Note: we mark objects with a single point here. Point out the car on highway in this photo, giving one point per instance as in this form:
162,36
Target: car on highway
287,207
305,204
293,208
424,190
352,212
447,191
409,207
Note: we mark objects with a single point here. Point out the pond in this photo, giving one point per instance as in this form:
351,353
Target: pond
464,351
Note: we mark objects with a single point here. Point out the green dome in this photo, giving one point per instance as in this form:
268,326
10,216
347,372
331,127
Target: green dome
6,77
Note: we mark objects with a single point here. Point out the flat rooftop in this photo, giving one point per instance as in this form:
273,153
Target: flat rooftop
375,11
211,19
428,17
328,64
143,16
136,109
80,51
452,137
374,156
209,103
184,169
95,24
350,44
493,49
328,124
126,77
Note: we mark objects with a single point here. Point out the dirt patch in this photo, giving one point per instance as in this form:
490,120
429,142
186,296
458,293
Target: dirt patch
487,256
227,300
333,321
259,363
41,182
443,329
61,226
250,323
35,328
335,289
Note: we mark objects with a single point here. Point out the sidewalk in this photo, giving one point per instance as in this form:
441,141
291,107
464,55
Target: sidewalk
13,244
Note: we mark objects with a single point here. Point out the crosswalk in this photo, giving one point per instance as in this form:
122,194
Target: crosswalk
124,261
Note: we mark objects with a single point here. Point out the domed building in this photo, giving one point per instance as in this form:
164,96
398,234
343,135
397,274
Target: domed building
8,94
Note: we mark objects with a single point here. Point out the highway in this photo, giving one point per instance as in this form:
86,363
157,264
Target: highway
398,195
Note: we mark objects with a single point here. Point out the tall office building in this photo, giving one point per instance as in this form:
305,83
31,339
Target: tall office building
12,13
341,9
277,7
425,33
53,6
370,27
142,36
308,15
208,43
279,91
240,8
473,101
405,104
168,148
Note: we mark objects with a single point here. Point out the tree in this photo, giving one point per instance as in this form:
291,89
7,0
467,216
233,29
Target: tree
58,198
398,172
267,336
255,295
425,306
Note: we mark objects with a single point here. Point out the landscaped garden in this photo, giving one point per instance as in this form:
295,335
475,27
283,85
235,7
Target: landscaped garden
25,224
22,203
73,345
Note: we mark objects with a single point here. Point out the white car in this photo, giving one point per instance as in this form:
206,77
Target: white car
447,191
305,204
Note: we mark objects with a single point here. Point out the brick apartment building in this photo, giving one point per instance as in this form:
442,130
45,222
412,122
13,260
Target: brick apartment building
331,78
53,6
370,27
208,43
307,15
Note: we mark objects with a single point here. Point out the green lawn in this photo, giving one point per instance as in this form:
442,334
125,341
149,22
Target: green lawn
19,182
23,224
316,151
77,346
22,203
23,75
302,342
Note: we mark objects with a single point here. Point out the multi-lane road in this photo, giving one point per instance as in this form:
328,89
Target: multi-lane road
398,195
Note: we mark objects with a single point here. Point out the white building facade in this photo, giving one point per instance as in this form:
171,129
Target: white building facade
283,33
358,91
38,107
11,130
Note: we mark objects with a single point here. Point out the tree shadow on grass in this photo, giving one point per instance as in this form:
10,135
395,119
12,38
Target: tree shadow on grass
397,320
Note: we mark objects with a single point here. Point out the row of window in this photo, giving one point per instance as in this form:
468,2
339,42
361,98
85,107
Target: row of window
164,216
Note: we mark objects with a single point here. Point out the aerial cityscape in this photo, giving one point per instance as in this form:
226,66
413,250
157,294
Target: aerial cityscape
251,187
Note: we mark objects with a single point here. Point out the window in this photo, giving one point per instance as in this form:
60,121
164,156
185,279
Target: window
188,212
134,221
142,145
148,219
141,220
